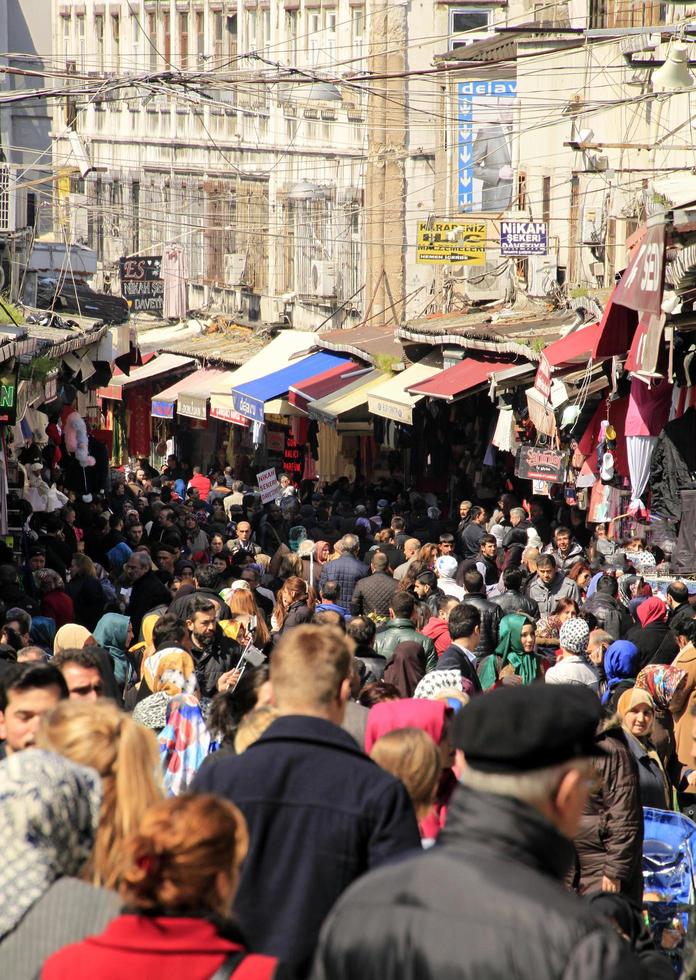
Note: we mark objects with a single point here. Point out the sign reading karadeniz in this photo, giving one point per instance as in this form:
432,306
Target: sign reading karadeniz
524,238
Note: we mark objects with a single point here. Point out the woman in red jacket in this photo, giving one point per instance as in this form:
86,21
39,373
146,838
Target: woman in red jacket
179,879
55,602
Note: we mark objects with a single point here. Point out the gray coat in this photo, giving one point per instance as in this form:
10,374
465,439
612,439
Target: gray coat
68,912
546,596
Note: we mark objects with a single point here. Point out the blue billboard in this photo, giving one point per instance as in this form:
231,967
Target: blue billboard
485,145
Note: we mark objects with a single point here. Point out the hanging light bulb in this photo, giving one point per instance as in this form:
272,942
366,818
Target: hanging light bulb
674,74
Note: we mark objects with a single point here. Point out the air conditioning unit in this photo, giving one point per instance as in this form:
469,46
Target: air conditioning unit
542,275
482,282
323,279
591,227
235,263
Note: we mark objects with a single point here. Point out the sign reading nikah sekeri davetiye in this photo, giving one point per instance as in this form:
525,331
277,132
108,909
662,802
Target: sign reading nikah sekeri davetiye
141,283
524,238
535,463
268,485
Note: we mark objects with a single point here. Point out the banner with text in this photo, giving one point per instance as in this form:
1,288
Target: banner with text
141,283
524,238
268,485
454,242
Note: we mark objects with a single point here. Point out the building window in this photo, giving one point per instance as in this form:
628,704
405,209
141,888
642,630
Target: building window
67,25
217,39
468,24
99,38
291,35
115,42
183,40
357,23
546,199
152,41
252,27
200,38
231,28
167,40
81,42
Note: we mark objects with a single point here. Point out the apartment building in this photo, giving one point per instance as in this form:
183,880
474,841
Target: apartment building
201,133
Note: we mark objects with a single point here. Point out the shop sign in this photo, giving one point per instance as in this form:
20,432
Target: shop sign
8,395
250,408
534,463
192,407
485,150
542,380
162,410
293,458
141,283
524,238
640,287
228,415
388,409
268,485
646,345
458,242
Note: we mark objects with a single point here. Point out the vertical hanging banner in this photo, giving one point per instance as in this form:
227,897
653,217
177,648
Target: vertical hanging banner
640,287
485,180
542,380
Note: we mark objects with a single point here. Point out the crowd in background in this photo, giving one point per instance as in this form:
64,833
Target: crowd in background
209,704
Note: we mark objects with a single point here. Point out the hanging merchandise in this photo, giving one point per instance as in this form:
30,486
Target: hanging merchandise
684,555
505,435
640,450
673,465
175,277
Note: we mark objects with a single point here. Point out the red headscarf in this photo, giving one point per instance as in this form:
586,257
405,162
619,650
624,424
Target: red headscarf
387,716
653,610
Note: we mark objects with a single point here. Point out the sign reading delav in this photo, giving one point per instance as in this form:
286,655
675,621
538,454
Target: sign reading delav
141,283
533,463
524,238
485,145
268,485
250,408
451,242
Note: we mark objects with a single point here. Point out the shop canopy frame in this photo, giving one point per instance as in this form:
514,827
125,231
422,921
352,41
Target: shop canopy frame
251,398
324,384
392,399
460,380
163,364
348,400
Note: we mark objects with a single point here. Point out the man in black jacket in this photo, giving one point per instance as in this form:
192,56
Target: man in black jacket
319,812
513,600
372,595
680,609
215,655
146,589
488,900
475,595
464,626
346,570
607,610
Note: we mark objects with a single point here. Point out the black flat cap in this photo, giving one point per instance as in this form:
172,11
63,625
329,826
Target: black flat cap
519,729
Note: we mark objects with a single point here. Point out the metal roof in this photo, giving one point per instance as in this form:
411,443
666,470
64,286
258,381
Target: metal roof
231,346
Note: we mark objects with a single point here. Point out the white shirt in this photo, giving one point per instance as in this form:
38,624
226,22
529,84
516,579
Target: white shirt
450,587
573,670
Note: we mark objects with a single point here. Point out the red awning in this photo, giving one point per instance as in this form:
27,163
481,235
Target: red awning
575,348
456,380
325,383
617,326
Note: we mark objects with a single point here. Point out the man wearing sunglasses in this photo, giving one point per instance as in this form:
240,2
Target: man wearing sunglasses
80,670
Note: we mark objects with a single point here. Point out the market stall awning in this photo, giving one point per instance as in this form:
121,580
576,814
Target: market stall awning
457,380
392,400
248,399
153,369
576,347
346,400
325,383
164,401
277,353
192,400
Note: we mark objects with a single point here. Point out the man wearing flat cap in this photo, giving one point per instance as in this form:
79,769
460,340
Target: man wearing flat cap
487,901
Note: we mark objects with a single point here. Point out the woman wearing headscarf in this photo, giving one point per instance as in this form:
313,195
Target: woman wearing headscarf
636,710
682,706
515,653
114,633
621,666
432,717
75,637
167,673
312,570
43,633
406,668
49,812
184,742
665,685
656,642
56,604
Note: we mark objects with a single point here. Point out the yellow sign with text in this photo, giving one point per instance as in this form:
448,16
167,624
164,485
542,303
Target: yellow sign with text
451,242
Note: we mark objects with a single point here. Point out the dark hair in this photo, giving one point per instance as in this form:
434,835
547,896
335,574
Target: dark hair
687,628
37,550
488,539
428,578
330,590
206,576
329,617
463,621
201,603
170,629
21,616
475,512
361,629
563,605
512,579
398,523
578,568
8,574
402,605
444,601
228,708
376,692
473,581
607,585
27,677
84,657
677,591
546,561
446,538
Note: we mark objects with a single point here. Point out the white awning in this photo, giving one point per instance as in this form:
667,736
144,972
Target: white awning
391,400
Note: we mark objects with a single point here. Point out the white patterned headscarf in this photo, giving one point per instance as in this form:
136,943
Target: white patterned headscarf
574,636
49,813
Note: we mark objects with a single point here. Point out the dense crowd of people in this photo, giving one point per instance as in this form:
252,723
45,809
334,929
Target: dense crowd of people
344,734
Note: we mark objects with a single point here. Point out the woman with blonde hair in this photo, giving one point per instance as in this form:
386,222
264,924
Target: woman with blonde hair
243,602
293,606
412,756
180,874
126,756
